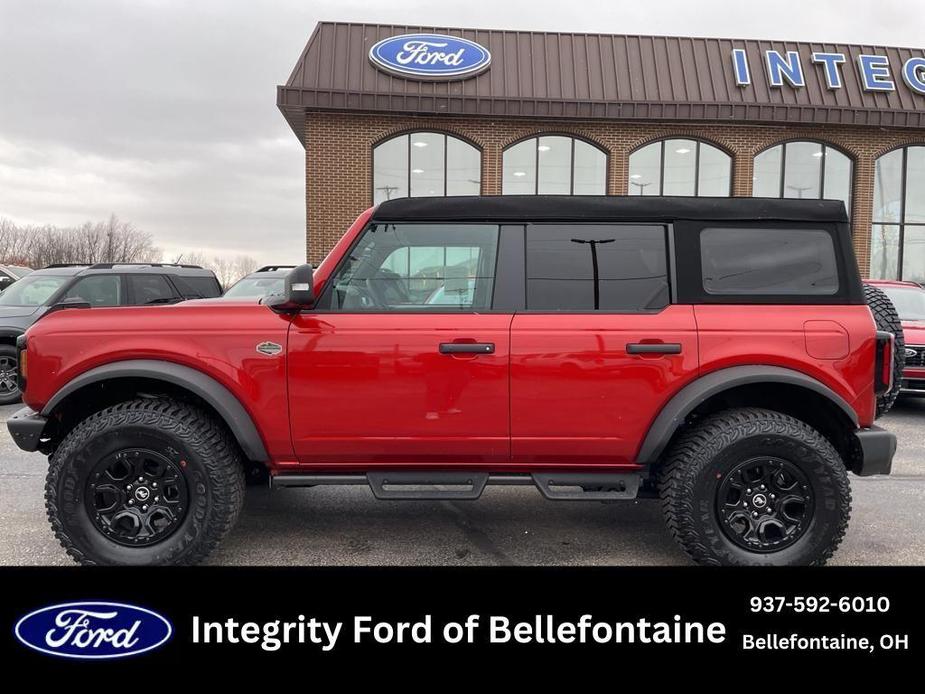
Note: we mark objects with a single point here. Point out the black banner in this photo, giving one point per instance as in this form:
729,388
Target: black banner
325,618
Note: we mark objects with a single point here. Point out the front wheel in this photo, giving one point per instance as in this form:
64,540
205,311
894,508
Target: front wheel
148,481
9,367
752,486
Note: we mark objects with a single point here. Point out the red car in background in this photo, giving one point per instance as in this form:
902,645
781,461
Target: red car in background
909,300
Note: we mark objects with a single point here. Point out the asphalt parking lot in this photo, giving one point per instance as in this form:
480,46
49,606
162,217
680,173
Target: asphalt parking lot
509,525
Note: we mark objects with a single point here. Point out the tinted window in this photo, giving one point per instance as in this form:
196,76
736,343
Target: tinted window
98,290
198,287
583,267
768,261
417,266
150,289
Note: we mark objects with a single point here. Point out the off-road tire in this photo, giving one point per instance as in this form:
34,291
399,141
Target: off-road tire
887,319
697,462
211,462
8,397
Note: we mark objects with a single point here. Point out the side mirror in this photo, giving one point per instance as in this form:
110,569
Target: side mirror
298,293
70,302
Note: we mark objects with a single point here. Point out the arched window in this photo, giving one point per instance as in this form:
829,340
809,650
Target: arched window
897,236
554,165
803,170
680,167
425,164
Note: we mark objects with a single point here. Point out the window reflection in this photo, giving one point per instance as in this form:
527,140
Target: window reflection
897,235
680,167
554,165
803,170
425,164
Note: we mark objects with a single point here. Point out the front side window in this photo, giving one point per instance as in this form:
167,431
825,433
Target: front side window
425,164
97,290
587,267
772,262
897,236
435,267
680,167
810,170
554,165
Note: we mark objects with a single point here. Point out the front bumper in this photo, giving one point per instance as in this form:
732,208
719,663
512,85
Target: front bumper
877,447
26,427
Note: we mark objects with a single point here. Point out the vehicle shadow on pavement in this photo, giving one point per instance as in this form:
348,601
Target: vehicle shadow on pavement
507,526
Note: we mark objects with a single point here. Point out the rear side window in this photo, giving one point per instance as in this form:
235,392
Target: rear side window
778,262
588,267
198,287
150,289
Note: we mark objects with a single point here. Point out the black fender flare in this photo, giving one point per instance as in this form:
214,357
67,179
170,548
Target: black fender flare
693,394
224,402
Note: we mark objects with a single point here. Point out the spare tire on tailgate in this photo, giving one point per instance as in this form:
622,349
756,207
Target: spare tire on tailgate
887,319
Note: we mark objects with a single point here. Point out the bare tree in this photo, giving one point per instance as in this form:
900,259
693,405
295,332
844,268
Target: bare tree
112,241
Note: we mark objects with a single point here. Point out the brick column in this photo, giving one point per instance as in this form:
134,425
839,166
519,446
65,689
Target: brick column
491,168
618,166
742,173
862,203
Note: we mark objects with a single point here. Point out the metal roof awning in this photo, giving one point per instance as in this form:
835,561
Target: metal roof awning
603,76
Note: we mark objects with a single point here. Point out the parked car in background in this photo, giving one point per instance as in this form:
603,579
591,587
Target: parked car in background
11,273
909,300
100,285
267,280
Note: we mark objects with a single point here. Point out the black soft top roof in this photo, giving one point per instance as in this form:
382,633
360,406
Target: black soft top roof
607,208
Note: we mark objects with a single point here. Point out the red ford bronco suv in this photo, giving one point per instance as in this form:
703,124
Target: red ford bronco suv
717,354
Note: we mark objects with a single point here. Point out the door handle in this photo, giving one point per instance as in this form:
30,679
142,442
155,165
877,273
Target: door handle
467,348
653,348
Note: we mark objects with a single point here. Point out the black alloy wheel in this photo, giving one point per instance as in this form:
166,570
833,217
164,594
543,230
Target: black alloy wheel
764,504
137,496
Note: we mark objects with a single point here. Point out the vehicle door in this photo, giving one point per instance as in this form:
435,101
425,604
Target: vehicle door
404,360
600,347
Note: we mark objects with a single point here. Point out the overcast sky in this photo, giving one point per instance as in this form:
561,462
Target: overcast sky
164,111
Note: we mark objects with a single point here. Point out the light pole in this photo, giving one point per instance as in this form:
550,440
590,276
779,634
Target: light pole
594,243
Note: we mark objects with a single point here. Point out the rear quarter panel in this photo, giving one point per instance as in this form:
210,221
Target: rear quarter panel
216,338
802,338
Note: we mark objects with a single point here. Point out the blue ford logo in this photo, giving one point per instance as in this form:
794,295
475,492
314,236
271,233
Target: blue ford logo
430,56
93,630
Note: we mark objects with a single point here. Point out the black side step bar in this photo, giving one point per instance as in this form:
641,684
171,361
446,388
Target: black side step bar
588,486
406,485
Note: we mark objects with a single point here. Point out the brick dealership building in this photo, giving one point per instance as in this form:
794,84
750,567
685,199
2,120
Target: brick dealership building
563,113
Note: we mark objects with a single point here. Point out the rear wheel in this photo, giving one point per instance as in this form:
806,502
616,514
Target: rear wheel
887,319
144,482
751,486
9,367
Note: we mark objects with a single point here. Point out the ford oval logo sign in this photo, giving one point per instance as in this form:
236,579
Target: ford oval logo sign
430,56
93,630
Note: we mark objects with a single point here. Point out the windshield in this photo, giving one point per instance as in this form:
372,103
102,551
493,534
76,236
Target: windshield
256,287
32,290
909,301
